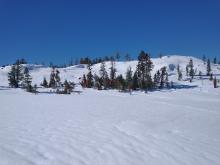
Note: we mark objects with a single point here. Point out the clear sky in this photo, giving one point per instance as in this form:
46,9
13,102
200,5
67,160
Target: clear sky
51,30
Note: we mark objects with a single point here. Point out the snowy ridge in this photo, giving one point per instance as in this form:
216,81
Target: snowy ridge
73,73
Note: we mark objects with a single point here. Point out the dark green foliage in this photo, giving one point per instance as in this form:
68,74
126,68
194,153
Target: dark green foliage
215,60
52,83
104,76
144,69
129,80
179,73
120,81
44,83
89,76
208,67
163,77
112,75
27,78
135,82
15,76
191,69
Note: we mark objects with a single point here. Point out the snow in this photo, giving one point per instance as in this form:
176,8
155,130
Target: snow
169,127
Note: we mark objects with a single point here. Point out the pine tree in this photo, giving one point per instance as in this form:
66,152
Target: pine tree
135,81
89,77
44,83
191,69
144,69
15,76
128,79
52,83
127,57
163,77
57,78
84,81
208,67
187,70
12,77
27,78
117,56
180,75
104,76
157,78
120,83
112,74
211,77
215,60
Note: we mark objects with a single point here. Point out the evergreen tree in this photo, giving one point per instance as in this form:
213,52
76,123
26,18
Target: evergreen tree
12,78
144,69
179,72
211,77
52,83
112,74
57,78
15,76
44,83
27,78
135,81
187,70
191,69
84,81
208,67
117,56
127,57
157,78
89,77
163,77
120,83
215,60
104,76
128,79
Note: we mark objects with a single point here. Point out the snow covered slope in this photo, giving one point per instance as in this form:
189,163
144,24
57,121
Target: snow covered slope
168,127
73,73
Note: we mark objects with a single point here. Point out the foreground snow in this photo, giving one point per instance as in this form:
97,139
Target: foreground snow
176,127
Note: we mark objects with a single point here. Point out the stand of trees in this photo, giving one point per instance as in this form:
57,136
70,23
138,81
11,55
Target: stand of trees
139,79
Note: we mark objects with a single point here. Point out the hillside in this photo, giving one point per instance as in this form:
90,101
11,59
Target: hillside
178,126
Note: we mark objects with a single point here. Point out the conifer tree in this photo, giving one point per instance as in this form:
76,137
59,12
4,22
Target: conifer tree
208,67
191,69
27,78
84,81
89,77
144,69
52,83
44,83
57,78
163,77
215,60
127,57
120,82
135,81
112,74
179,73
187,70
15,76
128,79
104,76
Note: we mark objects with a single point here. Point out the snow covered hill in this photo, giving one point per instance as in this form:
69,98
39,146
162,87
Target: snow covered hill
73,73
164,127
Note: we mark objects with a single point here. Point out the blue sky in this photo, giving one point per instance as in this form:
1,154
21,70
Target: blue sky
50,30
